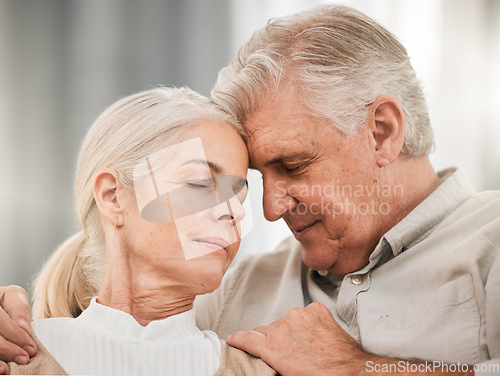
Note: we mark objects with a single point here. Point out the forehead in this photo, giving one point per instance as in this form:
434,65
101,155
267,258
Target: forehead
223,145
281,127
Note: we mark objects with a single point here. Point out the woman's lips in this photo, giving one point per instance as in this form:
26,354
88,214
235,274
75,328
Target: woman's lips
215,243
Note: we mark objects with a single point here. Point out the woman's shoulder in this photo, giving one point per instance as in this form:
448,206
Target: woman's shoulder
237,362
43,363
51,327
51,321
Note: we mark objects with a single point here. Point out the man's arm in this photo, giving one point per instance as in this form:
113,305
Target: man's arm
15,318
309,341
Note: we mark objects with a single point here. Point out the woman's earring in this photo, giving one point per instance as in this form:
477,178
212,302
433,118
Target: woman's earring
116,221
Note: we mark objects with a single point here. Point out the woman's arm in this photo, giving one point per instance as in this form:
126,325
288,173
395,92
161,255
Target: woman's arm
15,318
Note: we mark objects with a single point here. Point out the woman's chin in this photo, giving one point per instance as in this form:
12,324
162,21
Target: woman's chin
211,276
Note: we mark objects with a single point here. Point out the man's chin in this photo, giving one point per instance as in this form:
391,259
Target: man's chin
317,260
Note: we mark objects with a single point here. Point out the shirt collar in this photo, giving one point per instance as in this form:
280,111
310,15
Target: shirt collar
124,326
454,189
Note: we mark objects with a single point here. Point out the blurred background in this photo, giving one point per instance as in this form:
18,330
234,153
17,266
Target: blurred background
63,61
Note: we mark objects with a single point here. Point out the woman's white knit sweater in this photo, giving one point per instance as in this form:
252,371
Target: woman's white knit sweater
106,341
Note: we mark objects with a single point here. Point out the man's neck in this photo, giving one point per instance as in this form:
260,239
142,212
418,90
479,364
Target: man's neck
412,181
418,179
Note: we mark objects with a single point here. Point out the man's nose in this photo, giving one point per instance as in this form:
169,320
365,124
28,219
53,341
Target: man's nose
276,199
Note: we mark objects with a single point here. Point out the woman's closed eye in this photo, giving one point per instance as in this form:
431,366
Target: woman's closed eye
226,186
240,190
203,183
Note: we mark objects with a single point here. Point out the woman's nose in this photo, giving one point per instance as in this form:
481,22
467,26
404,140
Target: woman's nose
237,209
229,210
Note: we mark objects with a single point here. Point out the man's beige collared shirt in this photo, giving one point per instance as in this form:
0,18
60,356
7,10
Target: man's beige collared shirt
430,291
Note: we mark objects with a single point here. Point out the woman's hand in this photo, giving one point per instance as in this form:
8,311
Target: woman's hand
15,317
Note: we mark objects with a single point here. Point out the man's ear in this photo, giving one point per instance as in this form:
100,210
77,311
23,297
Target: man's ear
106,189
387,125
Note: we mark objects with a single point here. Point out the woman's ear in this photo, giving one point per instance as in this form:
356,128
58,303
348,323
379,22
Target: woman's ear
387,126
106,189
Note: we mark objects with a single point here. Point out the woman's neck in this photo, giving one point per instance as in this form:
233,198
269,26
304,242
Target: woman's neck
141,290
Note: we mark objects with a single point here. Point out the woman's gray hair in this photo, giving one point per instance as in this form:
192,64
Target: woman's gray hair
122,136
338,61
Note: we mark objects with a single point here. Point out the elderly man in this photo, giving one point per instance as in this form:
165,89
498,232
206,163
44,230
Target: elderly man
397,266
399,254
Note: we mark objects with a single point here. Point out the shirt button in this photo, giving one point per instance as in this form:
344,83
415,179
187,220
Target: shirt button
357,279
322,273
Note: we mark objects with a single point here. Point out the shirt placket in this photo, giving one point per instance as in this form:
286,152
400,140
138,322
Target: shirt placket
352,285
356,283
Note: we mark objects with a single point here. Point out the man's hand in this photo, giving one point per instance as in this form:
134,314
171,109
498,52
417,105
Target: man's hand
15,317
307,341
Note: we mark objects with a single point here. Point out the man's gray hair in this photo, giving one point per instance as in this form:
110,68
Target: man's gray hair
338,61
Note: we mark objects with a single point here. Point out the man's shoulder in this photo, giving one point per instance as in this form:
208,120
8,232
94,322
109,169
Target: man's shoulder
480,210
268,263
490,199
260,289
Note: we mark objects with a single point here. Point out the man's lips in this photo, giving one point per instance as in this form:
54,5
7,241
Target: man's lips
301,230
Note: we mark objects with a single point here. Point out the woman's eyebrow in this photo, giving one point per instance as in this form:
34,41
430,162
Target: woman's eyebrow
214,167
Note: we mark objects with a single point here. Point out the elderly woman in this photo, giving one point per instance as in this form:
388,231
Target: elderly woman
159,188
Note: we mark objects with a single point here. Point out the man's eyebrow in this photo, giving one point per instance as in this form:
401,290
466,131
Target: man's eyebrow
214,167
297,157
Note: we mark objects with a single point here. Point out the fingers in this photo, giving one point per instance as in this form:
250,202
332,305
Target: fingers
15,342
11,331
250,341
15,302
281,339
319,310
12,353
264,337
